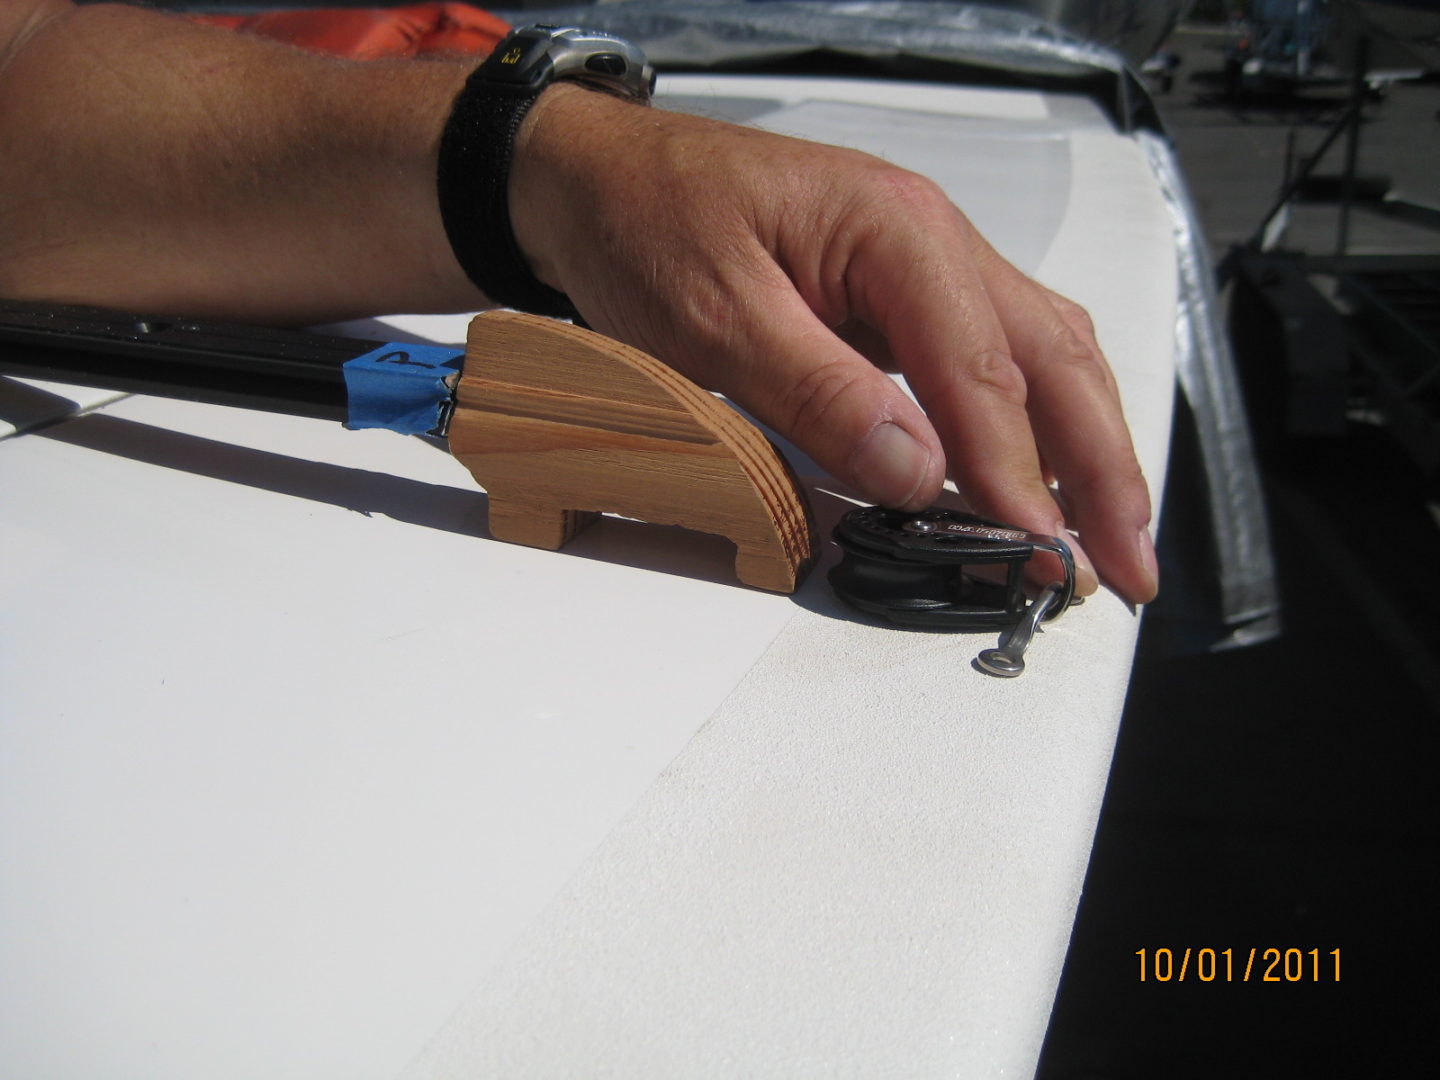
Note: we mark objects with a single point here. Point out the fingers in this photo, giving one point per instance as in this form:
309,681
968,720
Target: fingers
1013,381
1080,430
919,282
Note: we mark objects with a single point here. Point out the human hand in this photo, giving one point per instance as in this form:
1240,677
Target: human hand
786,274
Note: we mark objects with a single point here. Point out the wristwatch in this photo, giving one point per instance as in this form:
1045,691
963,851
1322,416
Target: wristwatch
531,58
478,142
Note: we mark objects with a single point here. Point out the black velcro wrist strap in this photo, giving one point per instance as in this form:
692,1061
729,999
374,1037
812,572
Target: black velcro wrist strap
473,186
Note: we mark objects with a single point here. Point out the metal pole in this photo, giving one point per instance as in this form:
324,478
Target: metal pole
1352,142
287,371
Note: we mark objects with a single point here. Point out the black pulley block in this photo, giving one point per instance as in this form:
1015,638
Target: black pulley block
910,568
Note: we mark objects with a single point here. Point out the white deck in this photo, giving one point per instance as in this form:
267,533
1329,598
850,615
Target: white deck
301,775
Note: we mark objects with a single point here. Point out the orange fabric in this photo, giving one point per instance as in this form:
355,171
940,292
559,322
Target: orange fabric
373,33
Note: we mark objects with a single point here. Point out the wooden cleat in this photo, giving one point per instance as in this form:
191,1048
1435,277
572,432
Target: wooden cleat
560,424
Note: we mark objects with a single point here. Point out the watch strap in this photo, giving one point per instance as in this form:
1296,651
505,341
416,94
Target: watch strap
472,179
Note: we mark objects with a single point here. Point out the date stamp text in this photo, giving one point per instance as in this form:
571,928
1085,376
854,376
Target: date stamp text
1255,964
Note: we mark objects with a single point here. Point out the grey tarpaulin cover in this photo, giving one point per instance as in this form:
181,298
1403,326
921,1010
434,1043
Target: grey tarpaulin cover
980,42
1205,366
703,32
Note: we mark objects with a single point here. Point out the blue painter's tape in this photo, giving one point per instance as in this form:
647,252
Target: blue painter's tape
401,387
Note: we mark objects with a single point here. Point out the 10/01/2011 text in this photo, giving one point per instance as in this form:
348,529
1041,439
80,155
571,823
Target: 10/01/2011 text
1269,965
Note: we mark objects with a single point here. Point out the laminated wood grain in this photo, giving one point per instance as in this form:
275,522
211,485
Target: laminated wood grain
560,424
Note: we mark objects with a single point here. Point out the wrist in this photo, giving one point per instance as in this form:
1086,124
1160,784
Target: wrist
568,140
491,130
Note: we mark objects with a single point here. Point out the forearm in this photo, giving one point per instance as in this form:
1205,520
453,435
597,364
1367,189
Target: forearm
154,163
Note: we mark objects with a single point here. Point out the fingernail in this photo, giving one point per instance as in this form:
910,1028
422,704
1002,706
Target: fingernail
1149,562
889,465
1086,580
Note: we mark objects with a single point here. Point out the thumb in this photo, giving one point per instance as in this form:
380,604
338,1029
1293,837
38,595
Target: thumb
794,374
